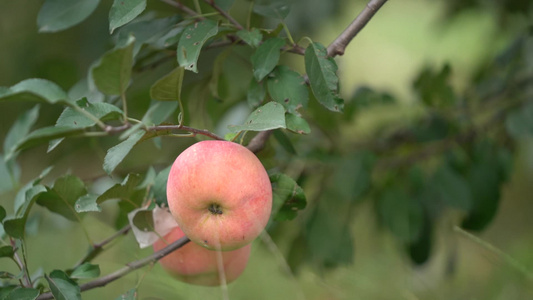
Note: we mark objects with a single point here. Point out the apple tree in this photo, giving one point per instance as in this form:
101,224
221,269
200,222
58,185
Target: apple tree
99,146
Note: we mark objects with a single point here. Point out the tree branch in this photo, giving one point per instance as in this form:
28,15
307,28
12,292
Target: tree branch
104,280
338,46
258,142
117,129
181,7
225,14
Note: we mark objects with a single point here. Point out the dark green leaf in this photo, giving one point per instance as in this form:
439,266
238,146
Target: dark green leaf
252,37
124,190
20,129
15,226
402,215
160,187
267,117
123,11
452,189
46,134
6,275
147,32
87,203
112,74
6,251
266,57
129,295
297,124
288,88
2,213
85,89
288,197
519,123
5,290
35,90
7,181
224,4
62,198
322,72
23,294
168,88
159,112
56,15
143,220
276,9
117,153
62,287
85,271
256,93
284,141
192,40
434,89
420,249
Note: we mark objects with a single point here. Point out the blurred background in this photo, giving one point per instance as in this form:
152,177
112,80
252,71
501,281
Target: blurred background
401,41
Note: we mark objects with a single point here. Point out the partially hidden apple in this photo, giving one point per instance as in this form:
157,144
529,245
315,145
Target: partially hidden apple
196,265
220,194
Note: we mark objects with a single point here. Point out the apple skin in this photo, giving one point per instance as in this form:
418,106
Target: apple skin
196,265
220,194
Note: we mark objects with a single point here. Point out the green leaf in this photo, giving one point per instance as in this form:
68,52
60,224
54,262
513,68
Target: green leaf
70,117
129,295
6,251
168,88
148,32
284,141
452,189
85,271
402,215
61,199
519,123
322,72
56,15
23,294
117,153
267,117
124,190
288,197
297,124
252,37
434,89
123,11
7,180
35,90
15,226
20,129
144,220
420,249
2,213
256,93
224,4
160,187
288,88
87,203
5,290
112,74
46,134
192,40
276,9
159,112
62,287
266,57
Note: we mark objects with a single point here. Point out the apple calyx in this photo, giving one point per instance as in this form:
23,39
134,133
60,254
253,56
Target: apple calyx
215,209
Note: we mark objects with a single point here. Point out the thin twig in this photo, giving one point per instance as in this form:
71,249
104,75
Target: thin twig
225,14
258,142
22,266
104,280
118,129
338,46
180,6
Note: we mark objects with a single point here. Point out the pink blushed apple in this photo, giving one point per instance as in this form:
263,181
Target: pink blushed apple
220,194
196,265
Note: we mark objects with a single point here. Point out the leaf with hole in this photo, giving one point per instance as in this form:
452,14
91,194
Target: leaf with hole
297,124
192,40
266,57
322,72
267,117
288,88
57,15
123,11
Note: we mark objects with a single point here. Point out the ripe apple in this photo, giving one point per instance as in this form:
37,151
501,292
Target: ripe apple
220,194
196,265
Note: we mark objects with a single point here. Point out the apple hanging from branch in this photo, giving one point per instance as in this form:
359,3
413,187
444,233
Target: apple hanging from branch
220,194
